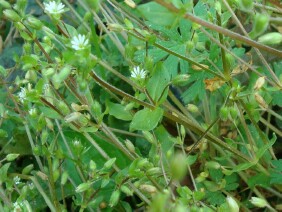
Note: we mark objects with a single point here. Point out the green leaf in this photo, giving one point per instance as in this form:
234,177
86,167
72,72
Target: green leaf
264,148
50,113
157,84
118,111
157,14
259,179
146,119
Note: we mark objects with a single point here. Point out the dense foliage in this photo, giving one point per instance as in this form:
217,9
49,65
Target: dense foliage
165,105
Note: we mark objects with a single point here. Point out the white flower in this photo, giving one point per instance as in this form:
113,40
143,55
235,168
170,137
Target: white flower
22,94
17,180
18,206
137,73
32,111
258,202
79,42
54,7
76,143
31,186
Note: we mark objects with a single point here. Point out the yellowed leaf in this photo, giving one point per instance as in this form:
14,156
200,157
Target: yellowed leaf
214,83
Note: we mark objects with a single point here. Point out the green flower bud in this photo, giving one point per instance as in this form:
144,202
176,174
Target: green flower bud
31,75
149,137
178,166
233,112
129,146
115,27
82,86
87,17
212,165
153,171
83,187
271,38
64,178
109,163
246,5
114,198
223,113
96,109
28,169
128,24
230,61
180,79
258,202
126,190
143,162
44,136
130,3
190,45
192,108
5,4
34,23
149,63
72,117
129,106
211,186
11,15
12,157
63,108
232,204
148,188
195,38
260,24
92,165
217,7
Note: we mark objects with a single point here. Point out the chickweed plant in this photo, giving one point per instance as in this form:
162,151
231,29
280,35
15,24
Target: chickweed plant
131,105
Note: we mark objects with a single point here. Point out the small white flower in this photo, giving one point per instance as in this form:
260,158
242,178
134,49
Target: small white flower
22,94
32,111
258,202
17,180
76,143
79,42
138,73
31,186
18,206
54,7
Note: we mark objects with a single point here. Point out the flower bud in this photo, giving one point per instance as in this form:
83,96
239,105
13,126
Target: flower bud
96,109
63,108
12,157
72,117
232,204
212,165
148,188
48,73
192,108
189,46
178,166
5,4
56,175
153,171
34,23
64,178
261,101
11,15
114,198
259,83
180,79
27,169
233,112
271,38
260,25
115,27
258,202
130,3
129,146
126,190
109,163
142,162
223,113
149,137
83,187
246,5
92,165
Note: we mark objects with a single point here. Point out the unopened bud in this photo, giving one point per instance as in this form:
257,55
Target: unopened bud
109,163
148,188
271,38
34,23
27,169
48,72
192,108
258,202
260,24
261,101
212,165
181,79
246,5
114,198
232,204
153,171
178,166
115,27
12,157
126,190
259,83
130,3
149,137
129,146
63,108
92,165
64,178
142,163
83,187
11,15
72,117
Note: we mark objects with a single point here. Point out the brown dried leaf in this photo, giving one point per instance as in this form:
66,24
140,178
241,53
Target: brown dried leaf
214,83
